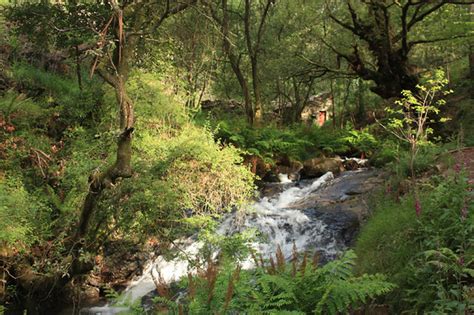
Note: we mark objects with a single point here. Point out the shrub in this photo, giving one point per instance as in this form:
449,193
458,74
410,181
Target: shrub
268,142
425,247
408,122
22,215
71,103
362,141
179,170
386,153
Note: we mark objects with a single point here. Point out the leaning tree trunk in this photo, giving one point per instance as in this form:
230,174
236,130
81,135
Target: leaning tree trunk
121,168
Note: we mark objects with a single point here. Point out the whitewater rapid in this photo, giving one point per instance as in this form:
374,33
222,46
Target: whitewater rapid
271,217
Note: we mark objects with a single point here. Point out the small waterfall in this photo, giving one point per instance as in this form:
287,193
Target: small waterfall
280,226
284,179
276,218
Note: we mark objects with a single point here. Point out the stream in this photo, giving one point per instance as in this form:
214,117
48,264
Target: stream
320,215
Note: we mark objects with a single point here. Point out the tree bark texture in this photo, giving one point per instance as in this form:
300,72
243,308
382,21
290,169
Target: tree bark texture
235,63
393,71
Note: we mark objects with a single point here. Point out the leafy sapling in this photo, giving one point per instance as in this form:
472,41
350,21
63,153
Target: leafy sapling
409,120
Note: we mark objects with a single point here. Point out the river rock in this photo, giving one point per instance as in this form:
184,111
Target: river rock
270,189
344,224
319,166
351,165
287,165
347,193
90,295
270,177
257,165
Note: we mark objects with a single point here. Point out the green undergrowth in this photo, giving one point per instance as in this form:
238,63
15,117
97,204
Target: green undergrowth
429,255
179,168
395,159
53,140
276,287
70,102
298,141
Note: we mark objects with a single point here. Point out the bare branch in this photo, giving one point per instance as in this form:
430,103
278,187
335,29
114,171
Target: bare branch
171,11
435,40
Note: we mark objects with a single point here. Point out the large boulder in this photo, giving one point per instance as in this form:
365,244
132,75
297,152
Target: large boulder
319,166
348,193
257,165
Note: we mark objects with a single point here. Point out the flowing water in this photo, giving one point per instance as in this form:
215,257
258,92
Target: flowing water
277,222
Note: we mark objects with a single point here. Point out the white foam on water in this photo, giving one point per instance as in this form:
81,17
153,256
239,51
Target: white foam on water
281,227
360,162
167,270
293,194
283,178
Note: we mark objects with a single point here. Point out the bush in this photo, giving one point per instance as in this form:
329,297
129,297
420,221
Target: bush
22,215
61,93
267,142
179,170
430,255
208,176
387,152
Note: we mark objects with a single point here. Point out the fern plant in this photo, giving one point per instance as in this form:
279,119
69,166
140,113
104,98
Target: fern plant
277,286
333,288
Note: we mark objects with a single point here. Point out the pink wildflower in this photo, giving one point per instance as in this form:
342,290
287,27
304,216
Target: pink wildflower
457,167
418,208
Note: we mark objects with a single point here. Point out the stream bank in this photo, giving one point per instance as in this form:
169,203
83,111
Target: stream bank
323,214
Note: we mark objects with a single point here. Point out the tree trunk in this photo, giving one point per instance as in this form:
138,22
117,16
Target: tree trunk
98,181
256,90
78,68
471,53
342,113
253,51
298,100
333,96
235,64
360,120
392,72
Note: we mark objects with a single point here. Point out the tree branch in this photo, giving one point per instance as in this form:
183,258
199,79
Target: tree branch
435,40
171,11
262,23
